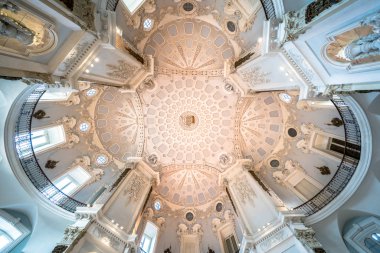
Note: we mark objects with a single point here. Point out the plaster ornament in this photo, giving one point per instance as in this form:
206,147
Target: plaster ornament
307,128
182,229
83,161
255,75
274,239
123,70
279,176
150,6
307,238
197,229
133,190
72,100
70,234
71,140
374,21
244,190
5,4
14,29
152,159
67,122
83,85
290,167
223,159
107,237
229,87
303,145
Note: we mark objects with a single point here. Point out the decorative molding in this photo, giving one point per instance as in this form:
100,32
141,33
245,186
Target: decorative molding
133,190
123,70
244,190
255,76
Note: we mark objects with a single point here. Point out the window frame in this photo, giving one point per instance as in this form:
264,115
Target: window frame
17,224
154,239
58,179
49,146
138,6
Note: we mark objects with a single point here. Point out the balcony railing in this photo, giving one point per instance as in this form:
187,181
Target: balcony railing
347,166
269,10
28,160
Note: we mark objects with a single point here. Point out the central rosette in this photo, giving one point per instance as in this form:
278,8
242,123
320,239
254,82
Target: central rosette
188,121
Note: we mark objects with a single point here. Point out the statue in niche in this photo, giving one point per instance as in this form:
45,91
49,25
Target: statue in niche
5,4
13,29
368,45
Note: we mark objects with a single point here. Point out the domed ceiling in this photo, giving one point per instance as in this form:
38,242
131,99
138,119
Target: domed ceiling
189,44
189,122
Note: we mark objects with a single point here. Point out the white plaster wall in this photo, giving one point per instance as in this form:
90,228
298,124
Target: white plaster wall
315,38
365,201
47,227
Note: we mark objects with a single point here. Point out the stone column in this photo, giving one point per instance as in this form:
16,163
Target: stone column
73,233
253,205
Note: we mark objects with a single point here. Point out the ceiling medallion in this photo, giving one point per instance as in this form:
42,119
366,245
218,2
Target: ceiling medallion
188,121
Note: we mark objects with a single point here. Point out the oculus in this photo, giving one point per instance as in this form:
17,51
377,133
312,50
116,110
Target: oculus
157,205
231,26
188,6
285,97
91,92
219,207
148,24
101,159
292,132
189,216
84,126
274,163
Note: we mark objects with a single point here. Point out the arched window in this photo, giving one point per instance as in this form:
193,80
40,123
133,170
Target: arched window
46,138
149,238
372,244
363,234
12,231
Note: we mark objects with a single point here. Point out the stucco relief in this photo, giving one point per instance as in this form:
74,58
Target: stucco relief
244,190
122,71
67,122
85,163
274,239
255,76
24,33
134,188
184,229
290,167
105,236
307,238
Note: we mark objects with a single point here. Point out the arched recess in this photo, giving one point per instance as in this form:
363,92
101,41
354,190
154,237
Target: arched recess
25,34
375,105
334,51
362,234
13,230
361,169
